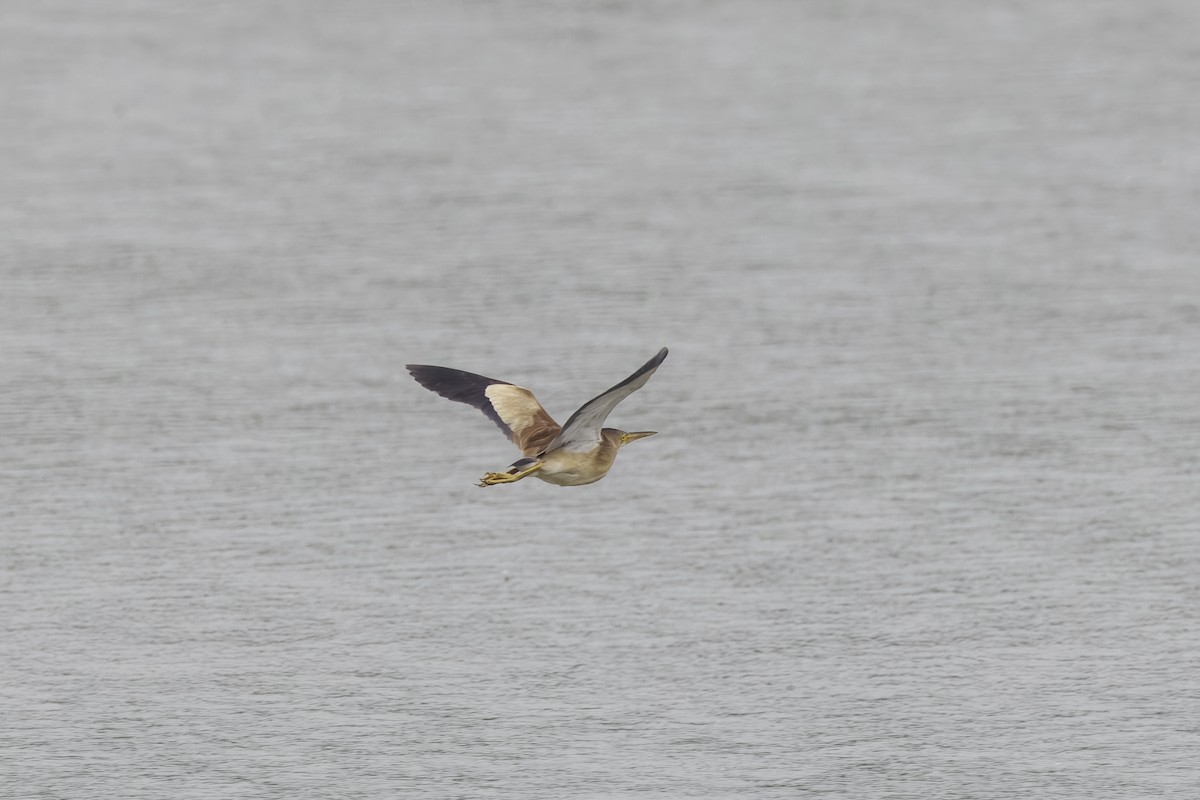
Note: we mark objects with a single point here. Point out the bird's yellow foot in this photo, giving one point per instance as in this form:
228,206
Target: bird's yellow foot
492,478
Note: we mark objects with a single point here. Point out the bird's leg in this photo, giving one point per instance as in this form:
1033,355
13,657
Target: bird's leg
492,478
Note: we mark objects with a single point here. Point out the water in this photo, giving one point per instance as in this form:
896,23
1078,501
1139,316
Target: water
921,519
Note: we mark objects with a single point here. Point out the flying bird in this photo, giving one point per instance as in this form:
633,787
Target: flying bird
579,452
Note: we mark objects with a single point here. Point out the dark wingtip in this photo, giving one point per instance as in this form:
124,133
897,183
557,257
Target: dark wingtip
421,370
652,364
432,378
455,384
459,386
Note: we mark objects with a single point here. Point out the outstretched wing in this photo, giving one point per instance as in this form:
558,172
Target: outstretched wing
513,408
582,430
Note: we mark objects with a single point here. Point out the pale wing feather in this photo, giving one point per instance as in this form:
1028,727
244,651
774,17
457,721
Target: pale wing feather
582,430
531,426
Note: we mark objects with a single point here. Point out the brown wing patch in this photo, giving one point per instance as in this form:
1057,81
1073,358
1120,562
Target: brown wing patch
532,428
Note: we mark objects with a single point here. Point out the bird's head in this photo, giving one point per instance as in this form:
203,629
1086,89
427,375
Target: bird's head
626,438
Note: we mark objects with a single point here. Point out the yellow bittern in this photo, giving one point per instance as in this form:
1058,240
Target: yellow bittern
582,451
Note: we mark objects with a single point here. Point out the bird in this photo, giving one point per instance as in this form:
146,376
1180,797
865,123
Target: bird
580,452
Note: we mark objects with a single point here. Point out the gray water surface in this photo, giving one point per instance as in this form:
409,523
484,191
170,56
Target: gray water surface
921,519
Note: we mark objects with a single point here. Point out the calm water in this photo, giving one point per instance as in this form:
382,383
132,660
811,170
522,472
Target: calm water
922,518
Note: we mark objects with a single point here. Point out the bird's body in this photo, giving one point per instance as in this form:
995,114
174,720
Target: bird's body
574,454
574,468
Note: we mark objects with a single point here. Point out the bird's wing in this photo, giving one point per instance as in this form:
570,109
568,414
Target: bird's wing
513,408
582,430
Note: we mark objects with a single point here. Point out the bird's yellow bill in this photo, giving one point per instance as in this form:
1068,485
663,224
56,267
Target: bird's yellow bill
626,438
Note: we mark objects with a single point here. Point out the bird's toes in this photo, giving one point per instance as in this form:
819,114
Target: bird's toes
492,478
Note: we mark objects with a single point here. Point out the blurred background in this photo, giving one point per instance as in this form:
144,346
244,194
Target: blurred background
921,519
